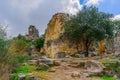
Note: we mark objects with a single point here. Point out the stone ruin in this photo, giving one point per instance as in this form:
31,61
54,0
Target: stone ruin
113,45
33,33
117,43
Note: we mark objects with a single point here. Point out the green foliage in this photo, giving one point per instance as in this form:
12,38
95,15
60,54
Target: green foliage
88,26
108,61
2,33
39,42
111,64
116,26
23,39
105,77
113,67
4,44
16,60
22,70
18,44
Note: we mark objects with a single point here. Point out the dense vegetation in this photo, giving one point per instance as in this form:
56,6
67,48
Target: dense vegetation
8,60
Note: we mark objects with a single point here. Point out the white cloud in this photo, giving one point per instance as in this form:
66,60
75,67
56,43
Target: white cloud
71,6
117,17
24,5
92,2
22,13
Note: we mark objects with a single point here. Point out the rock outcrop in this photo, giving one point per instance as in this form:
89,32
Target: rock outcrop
56,45
117,43
33,33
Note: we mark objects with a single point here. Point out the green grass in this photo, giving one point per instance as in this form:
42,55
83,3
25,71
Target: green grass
105,77
108,61
111,64
22,70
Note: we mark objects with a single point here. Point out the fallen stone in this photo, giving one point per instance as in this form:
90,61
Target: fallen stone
47,61
109,72
94,66
21,77
37,78
31,77
35,55
75,74
84,75
42,66
33,62
24,64
52,70
57,63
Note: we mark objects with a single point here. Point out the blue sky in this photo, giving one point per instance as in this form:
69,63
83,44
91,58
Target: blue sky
108,6
19,14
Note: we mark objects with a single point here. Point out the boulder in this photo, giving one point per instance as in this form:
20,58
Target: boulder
33,62
52,70
21,77
37,78
57,63
109,72
84,75
93,53
42,66
46,60
75,74
31,78
80,64
94,66
34,78
35,55
24,64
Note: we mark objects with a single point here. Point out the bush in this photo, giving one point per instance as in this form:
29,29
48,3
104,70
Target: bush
39,43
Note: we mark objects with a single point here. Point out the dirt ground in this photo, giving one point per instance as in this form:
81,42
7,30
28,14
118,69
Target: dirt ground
64,72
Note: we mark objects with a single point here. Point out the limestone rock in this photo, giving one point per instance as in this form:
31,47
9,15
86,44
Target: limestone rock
46,60
52,70
75,74
109,72
33,33
33,62
21,77
57,63
94,66
34,78
42,66
35,56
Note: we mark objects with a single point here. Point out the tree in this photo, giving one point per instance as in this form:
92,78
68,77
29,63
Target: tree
39,42
88,26
3,43
116,26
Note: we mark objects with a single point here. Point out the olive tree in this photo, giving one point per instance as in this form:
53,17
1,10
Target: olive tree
88,26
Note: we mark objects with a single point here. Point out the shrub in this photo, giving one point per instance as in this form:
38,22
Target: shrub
39,42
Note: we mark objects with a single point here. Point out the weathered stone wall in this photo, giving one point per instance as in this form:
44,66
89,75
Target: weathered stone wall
117,43
56,44
33,33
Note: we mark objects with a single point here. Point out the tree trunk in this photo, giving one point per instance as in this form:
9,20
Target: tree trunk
87,48
87,51
77,46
